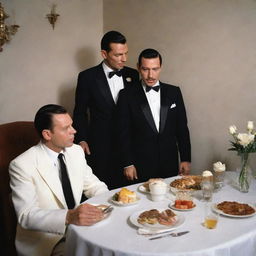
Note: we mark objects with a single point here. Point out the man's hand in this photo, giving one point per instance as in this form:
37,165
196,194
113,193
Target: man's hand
130,173
84,215
85,147
184,168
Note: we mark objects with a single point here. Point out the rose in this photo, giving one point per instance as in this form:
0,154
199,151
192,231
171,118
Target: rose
232,129
250,126
219,167
245,139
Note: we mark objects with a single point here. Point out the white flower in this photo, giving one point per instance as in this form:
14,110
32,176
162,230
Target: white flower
245,139
219,167
232,129
250,126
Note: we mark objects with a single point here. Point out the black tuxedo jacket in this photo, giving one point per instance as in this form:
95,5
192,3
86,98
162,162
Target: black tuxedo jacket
154,154
95,120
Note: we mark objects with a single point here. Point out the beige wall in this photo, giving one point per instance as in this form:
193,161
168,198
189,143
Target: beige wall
209,50
208,47
40,65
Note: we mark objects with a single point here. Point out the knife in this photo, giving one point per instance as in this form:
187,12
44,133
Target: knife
171,234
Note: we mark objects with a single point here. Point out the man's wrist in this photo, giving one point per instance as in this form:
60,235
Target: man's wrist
68,217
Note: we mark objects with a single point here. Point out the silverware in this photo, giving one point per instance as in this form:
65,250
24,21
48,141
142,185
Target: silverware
108,209
171,234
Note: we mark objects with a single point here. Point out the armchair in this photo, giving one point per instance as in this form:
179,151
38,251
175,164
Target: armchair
15,138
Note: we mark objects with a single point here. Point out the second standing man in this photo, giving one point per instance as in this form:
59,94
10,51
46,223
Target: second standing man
153,125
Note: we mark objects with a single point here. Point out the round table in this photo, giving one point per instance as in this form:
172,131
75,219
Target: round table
116,235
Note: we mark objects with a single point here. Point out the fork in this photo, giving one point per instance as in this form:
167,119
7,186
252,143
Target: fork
108,209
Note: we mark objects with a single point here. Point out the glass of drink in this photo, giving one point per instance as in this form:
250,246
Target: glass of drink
210,218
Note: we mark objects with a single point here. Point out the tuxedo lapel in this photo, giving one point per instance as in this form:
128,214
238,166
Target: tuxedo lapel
103,85
146,108
164,107
49,174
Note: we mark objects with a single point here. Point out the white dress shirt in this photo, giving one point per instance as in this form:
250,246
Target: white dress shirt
115,83
54,158
154,102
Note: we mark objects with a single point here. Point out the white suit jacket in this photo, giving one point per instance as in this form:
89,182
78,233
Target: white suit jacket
39,200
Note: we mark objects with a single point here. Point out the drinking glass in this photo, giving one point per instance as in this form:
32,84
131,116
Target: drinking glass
210,217
219,179
207,190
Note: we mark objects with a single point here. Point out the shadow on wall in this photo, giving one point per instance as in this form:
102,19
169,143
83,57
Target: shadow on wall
84,58
67,96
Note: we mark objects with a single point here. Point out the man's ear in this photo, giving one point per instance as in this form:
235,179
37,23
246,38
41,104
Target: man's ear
103,54
46,134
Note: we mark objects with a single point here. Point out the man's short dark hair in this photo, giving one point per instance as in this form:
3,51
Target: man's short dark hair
112,37
149,54
43,117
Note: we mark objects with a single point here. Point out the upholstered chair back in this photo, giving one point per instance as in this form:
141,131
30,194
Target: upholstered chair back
15,138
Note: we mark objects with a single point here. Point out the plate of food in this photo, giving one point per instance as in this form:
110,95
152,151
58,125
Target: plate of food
144,188
186,183
234,209
182,205
125,197
157,219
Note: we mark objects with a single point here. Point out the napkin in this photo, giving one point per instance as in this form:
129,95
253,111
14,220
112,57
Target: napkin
148,231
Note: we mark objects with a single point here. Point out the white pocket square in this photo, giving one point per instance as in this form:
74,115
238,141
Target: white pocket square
173,105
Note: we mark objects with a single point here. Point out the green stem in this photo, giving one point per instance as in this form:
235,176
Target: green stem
243,177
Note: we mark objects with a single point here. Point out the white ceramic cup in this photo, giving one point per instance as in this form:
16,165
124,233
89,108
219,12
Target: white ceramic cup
157,190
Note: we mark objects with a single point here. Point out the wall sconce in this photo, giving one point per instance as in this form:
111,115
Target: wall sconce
5,31
53,16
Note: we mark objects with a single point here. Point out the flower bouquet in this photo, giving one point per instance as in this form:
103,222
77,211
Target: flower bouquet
244,144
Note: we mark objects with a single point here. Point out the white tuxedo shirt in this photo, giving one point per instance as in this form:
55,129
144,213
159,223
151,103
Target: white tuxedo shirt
39,200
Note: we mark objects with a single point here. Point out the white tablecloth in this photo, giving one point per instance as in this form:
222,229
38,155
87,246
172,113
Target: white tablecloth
117,236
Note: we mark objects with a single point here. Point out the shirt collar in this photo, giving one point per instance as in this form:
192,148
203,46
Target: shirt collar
144,84
52,154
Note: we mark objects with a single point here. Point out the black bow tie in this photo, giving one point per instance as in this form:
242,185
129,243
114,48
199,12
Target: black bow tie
112,73
156,88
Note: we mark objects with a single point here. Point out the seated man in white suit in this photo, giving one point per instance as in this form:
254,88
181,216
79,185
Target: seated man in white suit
43,206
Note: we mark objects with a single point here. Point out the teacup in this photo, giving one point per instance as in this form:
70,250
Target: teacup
157,190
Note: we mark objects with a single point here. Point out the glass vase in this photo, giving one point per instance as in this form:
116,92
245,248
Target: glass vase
244,176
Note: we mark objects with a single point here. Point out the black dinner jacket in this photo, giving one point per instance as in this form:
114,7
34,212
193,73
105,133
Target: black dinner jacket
93,93
154,154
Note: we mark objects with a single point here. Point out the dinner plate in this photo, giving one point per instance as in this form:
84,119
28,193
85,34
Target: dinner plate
214,208
180,219
172,206
119,203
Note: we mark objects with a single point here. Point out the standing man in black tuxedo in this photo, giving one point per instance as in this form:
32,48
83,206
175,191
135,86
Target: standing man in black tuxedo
95,108
153,125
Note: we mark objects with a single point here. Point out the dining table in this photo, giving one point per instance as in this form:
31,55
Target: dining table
119,234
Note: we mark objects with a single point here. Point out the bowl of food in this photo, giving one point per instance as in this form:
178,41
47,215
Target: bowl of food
186,183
